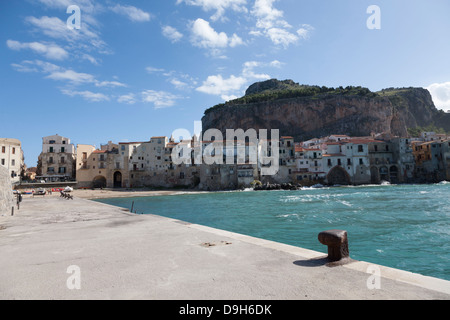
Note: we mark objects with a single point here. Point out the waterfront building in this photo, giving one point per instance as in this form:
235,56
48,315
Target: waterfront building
445,149
11,158
94,167
57,159
403,156
222,164
357,161
429,161
382,164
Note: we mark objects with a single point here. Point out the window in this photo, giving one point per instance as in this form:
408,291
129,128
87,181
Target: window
3,149
181,175
50,160
360,148
349,162
339,162
329,162
51,170
3,162
63,149
62,170
361,161
52,142
122,148
63,160
50,149
13,150
13,162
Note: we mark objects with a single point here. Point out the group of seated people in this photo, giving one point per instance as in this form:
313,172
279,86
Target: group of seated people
66,195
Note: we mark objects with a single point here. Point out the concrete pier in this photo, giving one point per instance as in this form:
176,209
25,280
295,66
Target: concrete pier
53,248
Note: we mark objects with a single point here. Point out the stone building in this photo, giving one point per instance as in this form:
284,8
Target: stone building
430,163
94,168
11,158
382,164
57,159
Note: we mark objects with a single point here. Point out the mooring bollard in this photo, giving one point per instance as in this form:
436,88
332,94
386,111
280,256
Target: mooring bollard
337,243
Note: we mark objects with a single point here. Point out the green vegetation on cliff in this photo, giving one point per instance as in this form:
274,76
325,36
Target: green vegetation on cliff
294,91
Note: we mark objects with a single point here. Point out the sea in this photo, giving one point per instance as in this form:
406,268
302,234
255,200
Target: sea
400,226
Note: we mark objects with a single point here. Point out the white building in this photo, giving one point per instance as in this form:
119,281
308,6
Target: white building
57,160
11,157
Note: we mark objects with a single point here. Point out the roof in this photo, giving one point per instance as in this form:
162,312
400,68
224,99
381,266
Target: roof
133,142
334,155
362,141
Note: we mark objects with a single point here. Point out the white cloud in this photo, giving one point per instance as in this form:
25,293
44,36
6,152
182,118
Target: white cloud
50,51
248,72
441,95
204,36
179,84
281,36
267,16
109,84
154,70
305,31
270,23
276,64
87,95
160,99
217,85
132,13
233,86
220,6
127,98
71,76
171,33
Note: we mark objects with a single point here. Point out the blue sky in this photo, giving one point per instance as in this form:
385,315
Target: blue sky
137,69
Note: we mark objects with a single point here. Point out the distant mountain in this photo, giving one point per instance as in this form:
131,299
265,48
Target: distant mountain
305,111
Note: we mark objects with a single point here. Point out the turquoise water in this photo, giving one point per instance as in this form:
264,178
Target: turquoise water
400,226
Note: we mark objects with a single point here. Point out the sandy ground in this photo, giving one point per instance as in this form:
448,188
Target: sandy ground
124,193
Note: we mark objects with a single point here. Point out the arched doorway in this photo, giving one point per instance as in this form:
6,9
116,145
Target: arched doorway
384,174
374,175
117,179
394,174
338,175
99,182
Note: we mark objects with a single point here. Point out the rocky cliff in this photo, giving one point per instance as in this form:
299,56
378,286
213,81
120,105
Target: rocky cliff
305,112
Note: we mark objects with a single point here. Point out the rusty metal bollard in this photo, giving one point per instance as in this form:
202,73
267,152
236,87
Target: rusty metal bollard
337,243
